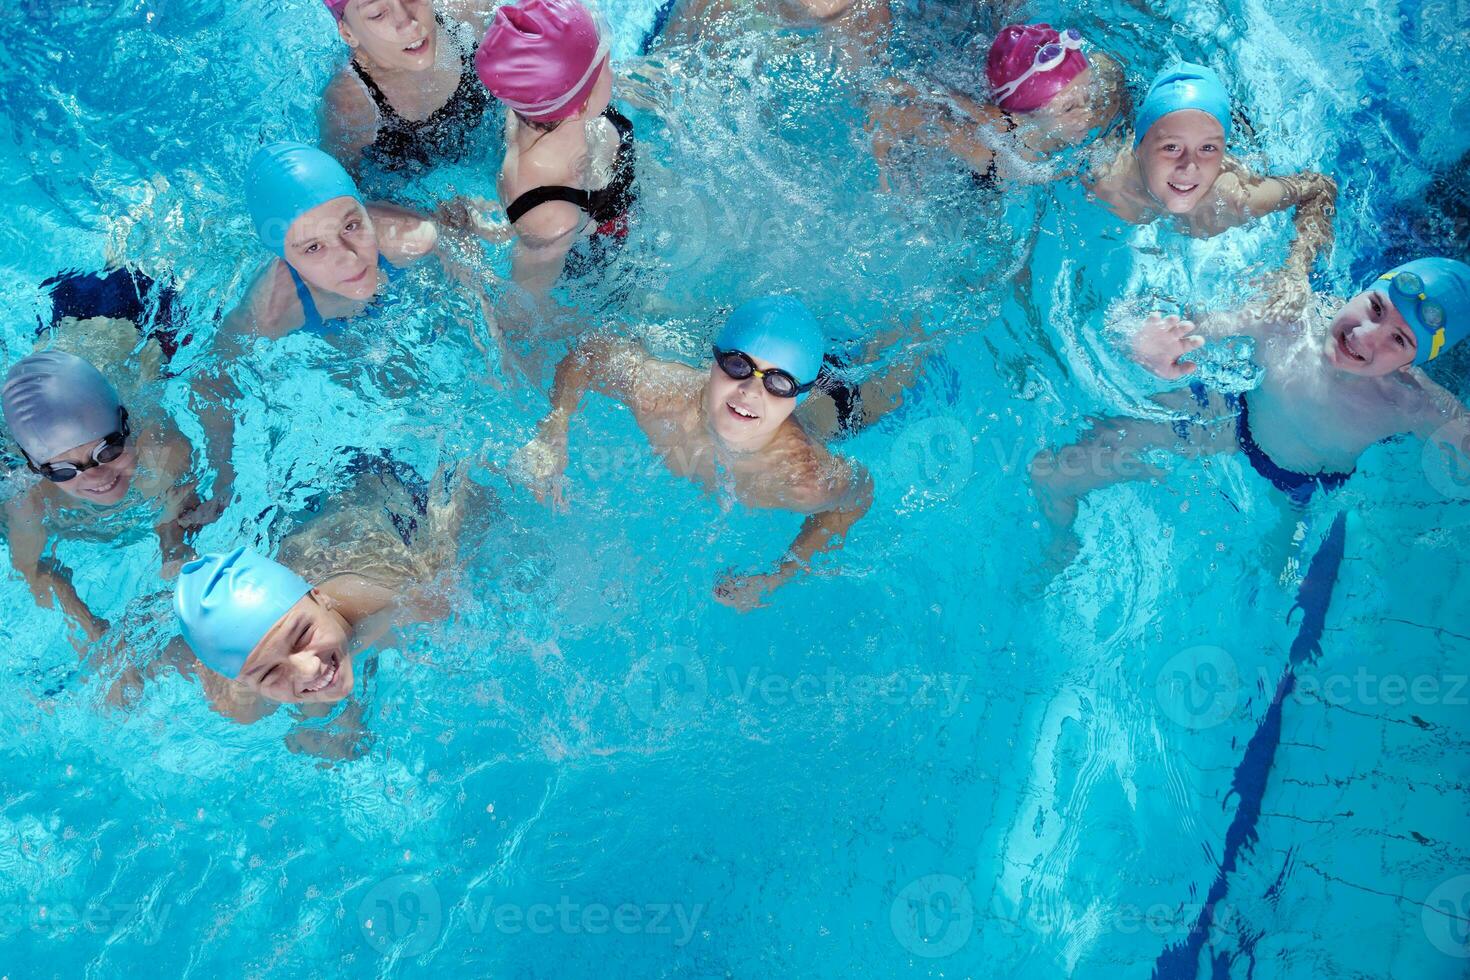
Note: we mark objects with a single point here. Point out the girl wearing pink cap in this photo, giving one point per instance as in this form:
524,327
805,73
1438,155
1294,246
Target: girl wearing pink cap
409,97
1046,94
568,177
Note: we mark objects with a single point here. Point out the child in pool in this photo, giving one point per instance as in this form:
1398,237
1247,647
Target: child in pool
568,173
1331,389
74,431
1175,166
727,427
1046,94
335,253
410,98
267,633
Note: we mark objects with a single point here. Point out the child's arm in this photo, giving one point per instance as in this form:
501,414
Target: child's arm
1313,195
349,120
602,363
905,116
49,580
184,513
1444,423
822,532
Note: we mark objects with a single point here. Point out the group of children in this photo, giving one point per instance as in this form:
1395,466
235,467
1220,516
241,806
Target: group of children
753,421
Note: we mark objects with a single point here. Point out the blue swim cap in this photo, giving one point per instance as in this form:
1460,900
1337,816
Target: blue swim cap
1440,312
779,330
55,401
1184,86
227,604
285,180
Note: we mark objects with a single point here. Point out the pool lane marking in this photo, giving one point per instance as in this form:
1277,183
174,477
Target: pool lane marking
1181,961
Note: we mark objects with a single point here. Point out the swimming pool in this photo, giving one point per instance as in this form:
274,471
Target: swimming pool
932,759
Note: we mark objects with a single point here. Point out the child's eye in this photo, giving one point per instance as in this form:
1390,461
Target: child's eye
313,248
1400,338
1377,307
1209,148
1171,147
353,225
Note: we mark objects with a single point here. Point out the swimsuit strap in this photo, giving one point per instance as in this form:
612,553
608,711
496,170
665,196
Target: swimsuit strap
537,196
605,204
313,322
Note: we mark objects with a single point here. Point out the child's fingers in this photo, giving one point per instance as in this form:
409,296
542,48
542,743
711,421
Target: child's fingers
1193,342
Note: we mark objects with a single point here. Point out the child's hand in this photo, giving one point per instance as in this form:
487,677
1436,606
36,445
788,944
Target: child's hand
541,465
745,592
477,215
1161,342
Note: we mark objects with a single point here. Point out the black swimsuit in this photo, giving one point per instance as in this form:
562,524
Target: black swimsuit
607,206
443,135
990,179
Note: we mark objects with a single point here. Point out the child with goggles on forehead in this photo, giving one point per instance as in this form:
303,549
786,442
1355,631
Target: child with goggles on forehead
1331,388
1046,93
74,432
728,427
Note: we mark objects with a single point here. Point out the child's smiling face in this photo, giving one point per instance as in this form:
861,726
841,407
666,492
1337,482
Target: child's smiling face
1369,337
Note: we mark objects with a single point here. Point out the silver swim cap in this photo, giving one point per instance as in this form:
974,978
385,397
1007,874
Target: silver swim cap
55,401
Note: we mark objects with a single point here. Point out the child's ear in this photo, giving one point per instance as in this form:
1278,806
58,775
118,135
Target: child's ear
322,599
346,33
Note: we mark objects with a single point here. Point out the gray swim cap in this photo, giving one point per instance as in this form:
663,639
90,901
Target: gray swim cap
55,401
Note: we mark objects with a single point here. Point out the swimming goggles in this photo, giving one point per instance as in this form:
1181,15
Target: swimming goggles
1431,312
109,449
1048,57
738,366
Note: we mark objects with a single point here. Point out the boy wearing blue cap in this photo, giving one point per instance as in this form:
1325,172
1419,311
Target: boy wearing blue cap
269,636
1176,166
729,427
74,431
1330,389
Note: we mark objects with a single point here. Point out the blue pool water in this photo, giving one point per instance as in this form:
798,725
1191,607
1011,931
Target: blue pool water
935,757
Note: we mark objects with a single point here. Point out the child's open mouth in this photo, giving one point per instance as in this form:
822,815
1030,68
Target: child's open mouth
1183,190
326,679
99,491
1346,349
417,48
741,413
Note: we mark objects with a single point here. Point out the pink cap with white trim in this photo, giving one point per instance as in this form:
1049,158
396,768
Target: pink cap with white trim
542,57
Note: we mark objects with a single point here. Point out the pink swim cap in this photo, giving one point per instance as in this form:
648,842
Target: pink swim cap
542,58
337,7
1012,54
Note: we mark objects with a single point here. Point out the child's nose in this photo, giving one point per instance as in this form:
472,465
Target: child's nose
304,664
